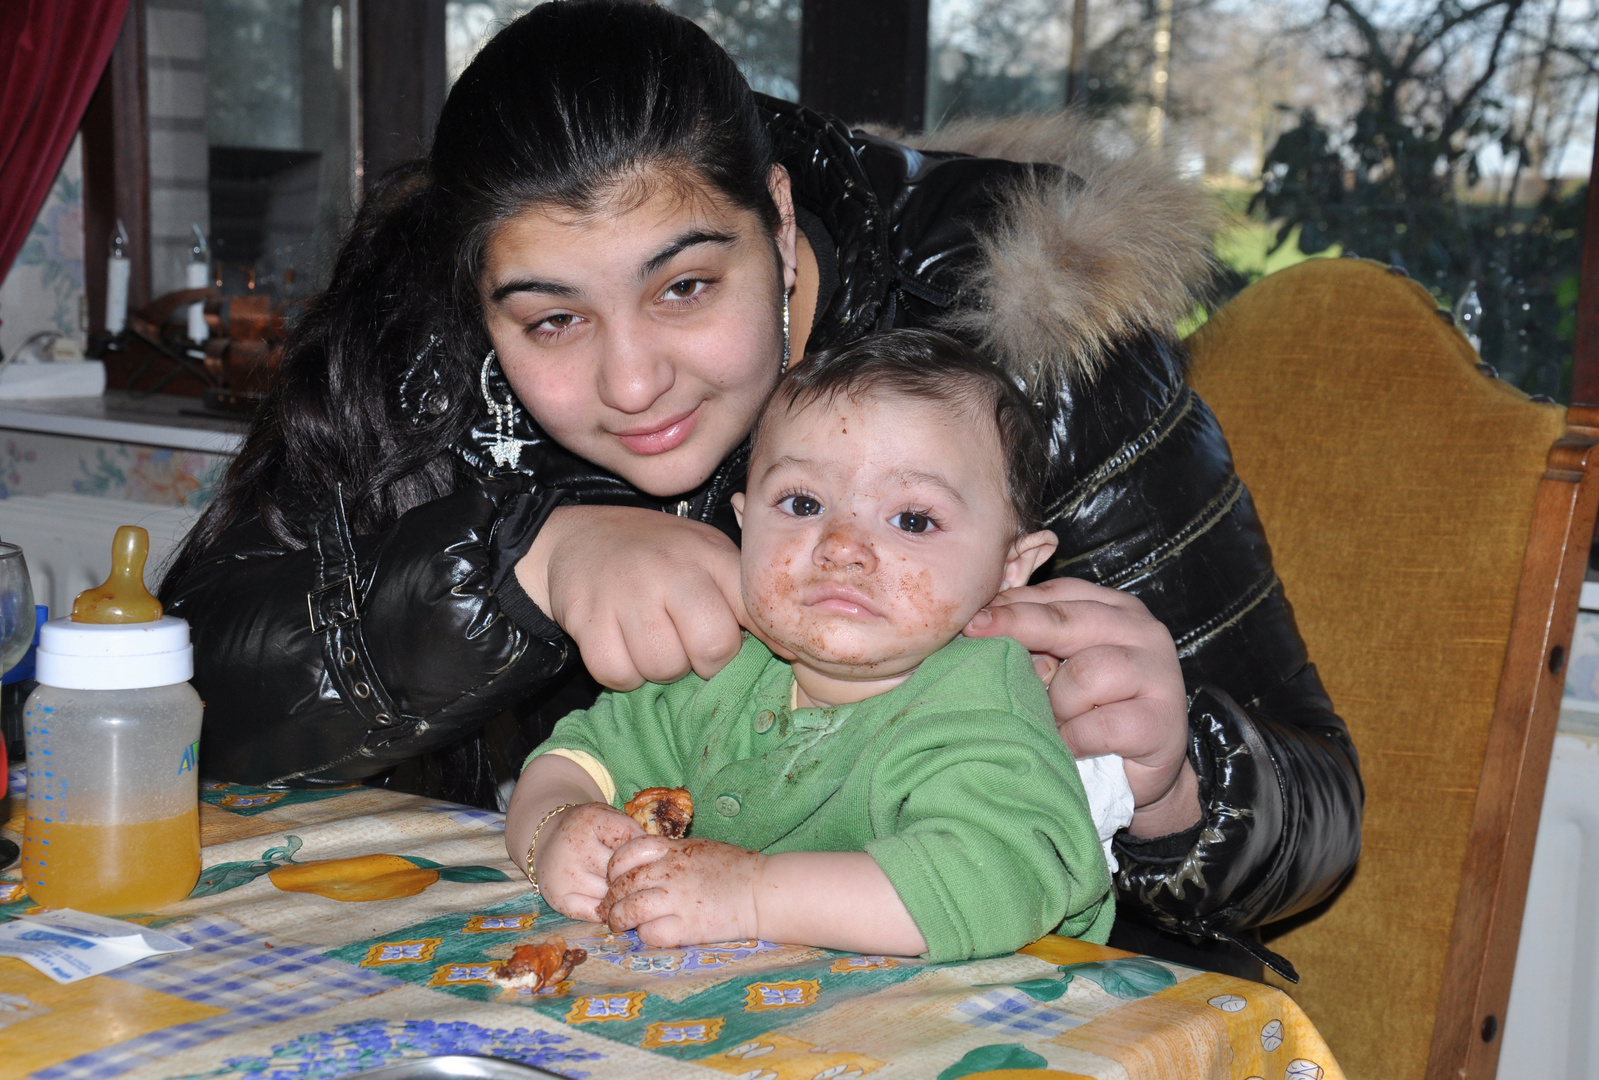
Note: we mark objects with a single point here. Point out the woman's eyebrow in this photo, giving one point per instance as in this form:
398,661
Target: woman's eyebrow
682,243
552,288
677,246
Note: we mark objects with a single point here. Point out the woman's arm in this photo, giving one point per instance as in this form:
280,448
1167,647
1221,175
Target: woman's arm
334,662
646,596
1115,686
1148,503
684,892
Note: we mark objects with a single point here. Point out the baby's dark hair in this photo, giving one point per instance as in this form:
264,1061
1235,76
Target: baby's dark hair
934,367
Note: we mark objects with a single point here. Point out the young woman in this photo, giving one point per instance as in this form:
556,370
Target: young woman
504,440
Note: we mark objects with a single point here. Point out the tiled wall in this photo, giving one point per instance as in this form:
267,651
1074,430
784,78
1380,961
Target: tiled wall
179,156
44,290
35,464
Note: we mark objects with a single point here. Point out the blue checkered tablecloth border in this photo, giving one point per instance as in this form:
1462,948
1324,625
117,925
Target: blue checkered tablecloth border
1013,1012
228,968
467,815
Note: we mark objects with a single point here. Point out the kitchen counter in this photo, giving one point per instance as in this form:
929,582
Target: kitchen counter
160,420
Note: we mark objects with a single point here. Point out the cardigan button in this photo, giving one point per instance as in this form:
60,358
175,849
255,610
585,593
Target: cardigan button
764,721
727,805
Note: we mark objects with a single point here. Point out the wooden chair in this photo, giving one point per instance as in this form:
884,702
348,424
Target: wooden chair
1431,525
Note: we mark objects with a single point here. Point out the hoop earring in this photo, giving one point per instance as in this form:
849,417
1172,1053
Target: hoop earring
506,450
784,366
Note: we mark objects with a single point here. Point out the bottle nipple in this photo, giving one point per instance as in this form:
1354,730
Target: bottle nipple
123,597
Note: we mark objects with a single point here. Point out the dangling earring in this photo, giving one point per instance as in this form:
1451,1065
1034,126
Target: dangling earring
505,449
784,366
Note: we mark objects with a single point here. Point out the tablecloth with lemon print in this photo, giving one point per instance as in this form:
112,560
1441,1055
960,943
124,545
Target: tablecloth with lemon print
341,930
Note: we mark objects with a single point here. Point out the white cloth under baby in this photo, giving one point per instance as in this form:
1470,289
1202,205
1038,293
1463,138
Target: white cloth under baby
1110,798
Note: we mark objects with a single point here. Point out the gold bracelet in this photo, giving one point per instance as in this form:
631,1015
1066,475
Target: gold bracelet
527,867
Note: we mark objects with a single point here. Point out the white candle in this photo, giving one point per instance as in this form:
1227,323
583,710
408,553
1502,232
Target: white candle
118,270
199,276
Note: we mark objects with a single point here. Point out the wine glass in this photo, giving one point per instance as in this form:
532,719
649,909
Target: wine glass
16,634
16,608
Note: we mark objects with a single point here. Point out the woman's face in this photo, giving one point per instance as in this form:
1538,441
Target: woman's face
645,335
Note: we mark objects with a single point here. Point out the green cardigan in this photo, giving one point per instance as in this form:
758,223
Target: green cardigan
955,781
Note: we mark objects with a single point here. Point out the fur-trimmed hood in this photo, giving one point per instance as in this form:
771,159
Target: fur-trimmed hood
1118,244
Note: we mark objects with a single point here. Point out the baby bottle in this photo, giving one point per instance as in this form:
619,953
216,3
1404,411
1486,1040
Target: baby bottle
112,734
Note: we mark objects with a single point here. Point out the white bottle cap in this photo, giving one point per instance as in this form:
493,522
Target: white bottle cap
114,656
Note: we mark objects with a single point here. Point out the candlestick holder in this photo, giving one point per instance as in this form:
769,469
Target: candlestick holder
228,369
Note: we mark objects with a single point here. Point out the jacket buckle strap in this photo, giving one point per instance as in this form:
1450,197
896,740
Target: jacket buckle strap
331,600
332,605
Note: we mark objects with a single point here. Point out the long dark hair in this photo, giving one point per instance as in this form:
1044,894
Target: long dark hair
560,107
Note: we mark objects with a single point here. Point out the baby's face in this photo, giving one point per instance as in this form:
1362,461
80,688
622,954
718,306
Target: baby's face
873,531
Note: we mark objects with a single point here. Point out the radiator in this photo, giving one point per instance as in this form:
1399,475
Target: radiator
1552,1024
66,540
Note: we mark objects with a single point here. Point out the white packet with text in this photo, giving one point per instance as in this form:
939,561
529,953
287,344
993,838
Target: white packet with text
70,945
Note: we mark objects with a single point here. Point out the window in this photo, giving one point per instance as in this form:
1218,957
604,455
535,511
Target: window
1449,141
250,120
995,57
1465,170
762,35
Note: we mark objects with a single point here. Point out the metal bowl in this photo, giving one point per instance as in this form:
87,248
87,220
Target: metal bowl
456,1067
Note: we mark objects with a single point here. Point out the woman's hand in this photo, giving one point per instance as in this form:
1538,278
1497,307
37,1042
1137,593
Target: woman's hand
646,596
574,849
682,892
1115,686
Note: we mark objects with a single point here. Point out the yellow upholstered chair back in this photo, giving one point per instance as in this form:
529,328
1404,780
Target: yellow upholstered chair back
1399,486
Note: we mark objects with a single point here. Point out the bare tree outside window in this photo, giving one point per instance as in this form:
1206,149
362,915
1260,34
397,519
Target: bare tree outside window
1447,137
1002,57
1461,162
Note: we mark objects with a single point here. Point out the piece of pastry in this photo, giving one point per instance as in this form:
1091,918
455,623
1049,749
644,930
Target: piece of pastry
538,966
662,811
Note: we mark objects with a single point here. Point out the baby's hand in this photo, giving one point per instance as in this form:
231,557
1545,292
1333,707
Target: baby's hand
574,849
682,892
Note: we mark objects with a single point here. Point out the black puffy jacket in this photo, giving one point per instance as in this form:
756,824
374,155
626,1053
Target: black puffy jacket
335,662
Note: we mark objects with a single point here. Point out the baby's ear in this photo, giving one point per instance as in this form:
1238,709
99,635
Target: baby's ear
738,507
1026,555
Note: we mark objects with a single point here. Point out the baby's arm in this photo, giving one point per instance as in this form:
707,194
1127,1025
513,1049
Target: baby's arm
576,844
623,736
680,892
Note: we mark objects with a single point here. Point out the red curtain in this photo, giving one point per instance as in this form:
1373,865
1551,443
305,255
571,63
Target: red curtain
51,55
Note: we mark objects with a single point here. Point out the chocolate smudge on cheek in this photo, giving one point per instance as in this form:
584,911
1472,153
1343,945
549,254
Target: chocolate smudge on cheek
919,596
773,597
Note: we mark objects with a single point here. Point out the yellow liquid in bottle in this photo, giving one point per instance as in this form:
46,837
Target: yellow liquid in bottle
112,869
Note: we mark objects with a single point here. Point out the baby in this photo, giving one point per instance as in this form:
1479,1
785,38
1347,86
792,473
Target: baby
864,778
